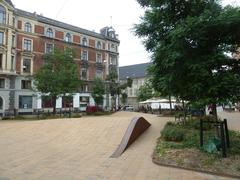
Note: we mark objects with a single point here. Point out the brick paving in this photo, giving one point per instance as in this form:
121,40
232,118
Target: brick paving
70,149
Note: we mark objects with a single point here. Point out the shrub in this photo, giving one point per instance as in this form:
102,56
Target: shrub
195,123
171,133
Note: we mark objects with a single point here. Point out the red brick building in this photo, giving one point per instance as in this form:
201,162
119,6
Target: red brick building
25,37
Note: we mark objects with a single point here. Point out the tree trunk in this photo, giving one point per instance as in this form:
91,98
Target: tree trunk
184,110
170,102
214,111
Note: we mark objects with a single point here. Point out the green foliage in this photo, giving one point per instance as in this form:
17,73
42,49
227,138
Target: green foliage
145,92
195,123
124,97
98,91
171,133
189,41
58,76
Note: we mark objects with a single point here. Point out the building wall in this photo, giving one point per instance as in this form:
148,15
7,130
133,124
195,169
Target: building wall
13,54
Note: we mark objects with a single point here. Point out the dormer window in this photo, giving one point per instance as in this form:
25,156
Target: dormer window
28,27
84,41
68,37
99,45
2,15
49,33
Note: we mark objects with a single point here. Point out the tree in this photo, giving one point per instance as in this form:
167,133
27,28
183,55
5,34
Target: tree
115,87
145,92
190,42
58,76
124,97
98,91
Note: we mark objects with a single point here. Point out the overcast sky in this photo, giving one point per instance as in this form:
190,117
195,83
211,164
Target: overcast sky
95,14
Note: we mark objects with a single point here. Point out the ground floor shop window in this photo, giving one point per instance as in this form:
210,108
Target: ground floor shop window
25,102
47,102
67,101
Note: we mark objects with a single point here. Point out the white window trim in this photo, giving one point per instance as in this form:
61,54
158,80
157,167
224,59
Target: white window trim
46,46
82,55
82,41
45,31
31,68
65,34
100,58
86,73
31,27
31,44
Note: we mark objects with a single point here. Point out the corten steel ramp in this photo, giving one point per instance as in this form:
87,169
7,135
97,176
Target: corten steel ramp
136,127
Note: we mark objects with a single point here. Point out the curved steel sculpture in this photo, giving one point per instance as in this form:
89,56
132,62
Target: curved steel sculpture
136,127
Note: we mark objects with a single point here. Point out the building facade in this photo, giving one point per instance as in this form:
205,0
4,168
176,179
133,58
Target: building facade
138,73
24,39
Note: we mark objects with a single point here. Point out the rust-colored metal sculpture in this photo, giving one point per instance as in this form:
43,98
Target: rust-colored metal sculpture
136,127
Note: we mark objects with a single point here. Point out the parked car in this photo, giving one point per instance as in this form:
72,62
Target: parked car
127,108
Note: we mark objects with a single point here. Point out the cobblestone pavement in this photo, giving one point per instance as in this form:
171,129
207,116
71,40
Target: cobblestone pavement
70,149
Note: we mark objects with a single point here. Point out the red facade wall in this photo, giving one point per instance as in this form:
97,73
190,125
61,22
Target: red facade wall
76,39
19,24
59,35
39,29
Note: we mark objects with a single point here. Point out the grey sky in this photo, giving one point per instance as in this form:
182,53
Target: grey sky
95,14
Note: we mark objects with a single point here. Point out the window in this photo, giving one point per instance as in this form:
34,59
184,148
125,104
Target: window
12,63
13,21
84,88
13,41
26,84
67,101
84,41
84,55
48,48
1,103
25,102
84,99
1,38
1,61
27,45
28,27
2,83
26,65
99,58
84,73
49,33
99,45
47,102
99,74
113,60
2,15
68,37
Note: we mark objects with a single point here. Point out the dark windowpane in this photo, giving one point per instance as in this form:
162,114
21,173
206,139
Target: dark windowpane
27,45
1,38
2,15
2,83
47,102
26,84
26,65
25,102
67,101
1,103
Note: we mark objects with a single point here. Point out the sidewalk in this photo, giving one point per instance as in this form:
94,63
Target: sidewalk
70,149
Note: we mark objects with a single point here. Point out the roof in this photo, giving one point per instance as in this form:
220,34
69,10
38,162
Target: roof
56,23
133,71
9,2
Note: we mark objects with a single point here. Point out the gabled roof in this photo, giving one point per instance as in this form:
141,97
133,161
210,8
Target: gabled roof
133,71
9,2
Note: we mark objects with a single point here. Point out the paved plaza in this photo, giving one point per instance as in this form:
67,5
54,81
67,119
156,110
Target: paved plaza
70,149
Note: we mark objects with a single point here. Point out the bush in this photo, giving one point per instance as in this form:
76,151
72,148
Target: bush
195,123
171,133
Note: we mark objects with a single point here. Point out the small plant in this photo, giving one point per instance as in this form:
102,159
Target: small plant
171,133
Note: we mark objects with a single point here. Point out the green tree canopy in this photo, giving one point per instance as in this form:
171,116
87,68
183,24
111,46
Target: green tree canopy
98,91
58,76
192,43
